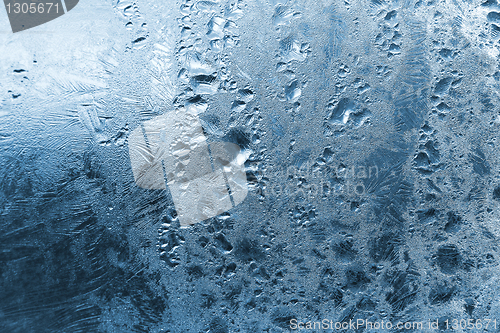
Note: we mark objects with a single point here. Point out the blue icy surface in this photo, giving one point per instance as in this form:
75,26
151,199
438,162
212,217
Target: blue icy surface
374,174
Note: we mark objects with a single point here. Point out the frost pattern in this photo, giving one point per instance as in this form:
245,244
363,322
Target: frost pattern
368,135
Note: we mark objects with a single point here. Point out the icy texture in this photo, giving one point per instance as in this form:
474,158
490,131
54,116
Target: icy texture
370,134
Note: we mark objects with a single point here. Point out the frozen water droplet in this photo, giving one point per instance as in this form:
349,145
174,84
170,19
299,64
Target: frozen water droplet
291,49
293,91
